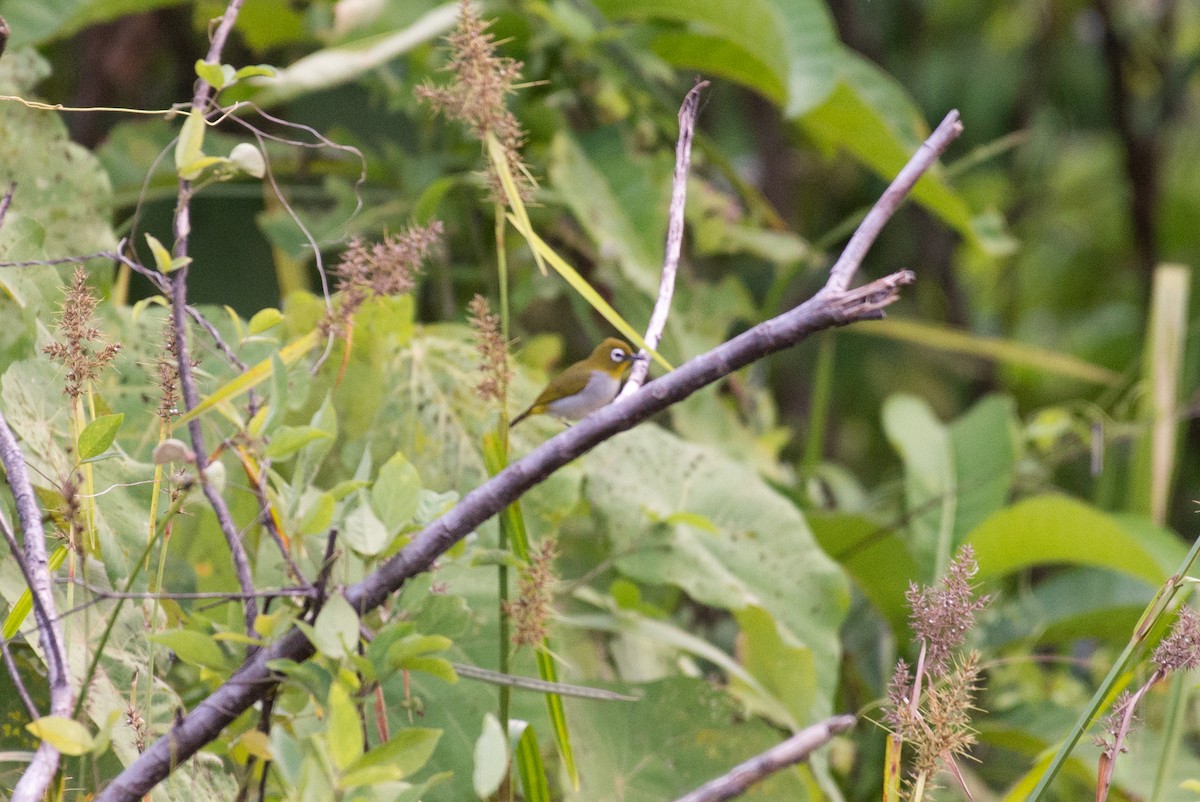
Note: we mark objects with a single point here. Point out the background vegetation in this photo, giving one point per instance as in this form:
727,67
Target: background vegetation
741,565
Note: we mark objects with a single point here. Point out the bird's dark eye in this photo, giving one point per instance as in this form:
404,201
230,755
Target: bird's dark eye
618,355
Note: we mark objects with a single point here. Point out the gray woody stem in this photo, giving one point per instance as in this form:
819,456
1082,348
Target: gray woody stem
36,779
792,751
179,315
829,308
666,285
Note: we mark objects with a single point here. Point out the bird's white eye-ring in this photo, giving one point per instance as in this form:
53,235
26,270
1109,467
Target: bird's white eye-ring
618,355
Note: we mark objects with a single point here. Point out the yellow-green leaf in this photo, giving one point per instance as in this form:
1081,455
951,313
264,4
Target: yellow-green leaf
289,354
162,257
586,290
98,435
64,734
190,146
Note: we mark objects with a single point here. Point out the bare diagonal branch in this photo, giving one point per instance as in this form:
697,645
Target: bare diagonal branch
831,307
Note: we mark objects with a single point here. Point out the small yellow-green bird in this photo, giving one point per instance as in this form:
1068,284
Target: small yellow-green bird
585,386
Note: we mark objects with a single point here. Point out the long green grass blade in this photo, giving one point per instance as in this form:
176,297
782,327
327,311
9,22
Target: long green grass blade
513,522
1009,352
1162,366
589,294
530,767
260,372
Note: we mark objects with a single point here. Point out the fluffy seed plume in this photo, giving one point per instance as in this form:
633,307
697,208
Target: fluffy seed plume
381,268
476,96
942,615
494,373
82,351
534,603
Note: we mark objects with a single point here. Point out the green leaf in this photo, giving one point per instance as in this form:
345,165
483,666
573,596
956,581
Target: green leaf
869,115
955,475
792,43
1054,529
530,768
875,557
408,750
216,75
491,758
364,532
396,493
263,320
619,200
762,553
290,439
98,435
1004,352
337,65
195,648
344,734
289,354
189,150
416,644
256,71
16,616
335,632
162,257
64,734
782,668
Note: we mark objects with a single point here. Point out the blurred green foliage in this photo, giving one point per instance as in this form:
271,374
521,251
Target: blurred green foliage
1031,394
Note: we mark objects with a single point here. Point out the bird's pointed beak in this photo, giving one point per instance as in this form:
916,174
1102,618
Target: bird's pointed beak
640,356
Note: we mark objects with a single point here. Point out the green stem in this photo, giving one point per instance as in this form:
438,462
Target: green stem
502,431
821,396
176,505
1153,613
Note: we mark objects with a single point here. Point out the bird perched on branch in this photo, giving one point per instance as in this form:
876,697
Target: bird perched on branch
585,386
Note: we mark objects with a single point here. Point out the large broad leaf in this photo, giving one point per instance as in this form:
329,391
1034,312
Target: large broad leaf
61,206
870,116
954,476
875,557
686,515
785,49
681,734
1053,529
620,200
350,59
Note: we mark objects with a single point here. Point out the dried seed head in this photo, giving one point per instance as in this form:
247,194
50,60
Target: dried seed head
82,351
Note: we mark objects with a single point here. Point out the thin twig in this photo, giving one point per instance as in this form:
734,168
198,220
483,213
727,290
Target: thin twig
856,249
254,679
105,593
666,286
179,313
18,682
266,517
792,751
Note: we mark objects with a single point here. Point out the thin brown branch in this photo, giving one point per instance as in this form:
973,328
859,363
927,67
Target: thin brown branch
864,236
179,313
829,308
17,681
792,751
666,286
